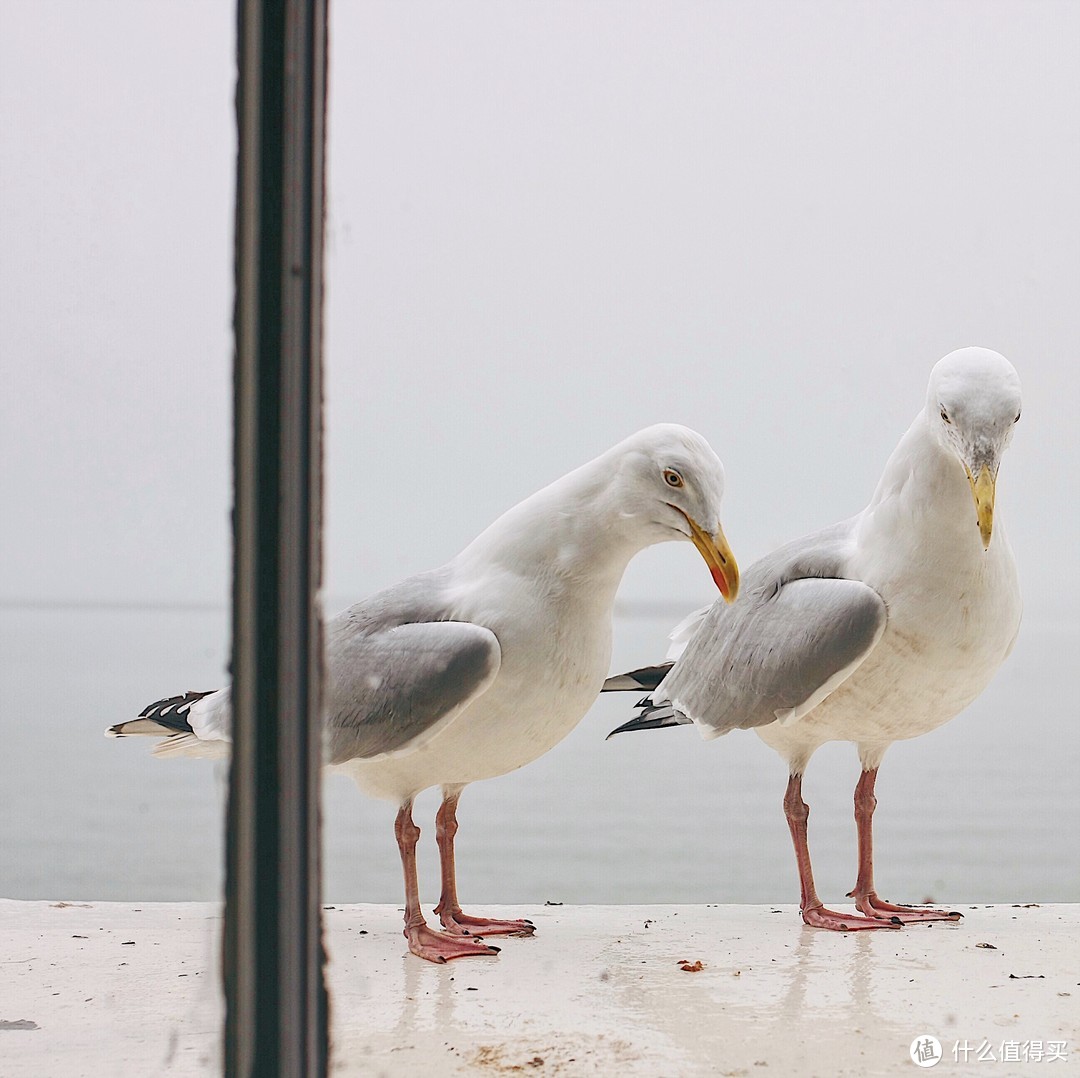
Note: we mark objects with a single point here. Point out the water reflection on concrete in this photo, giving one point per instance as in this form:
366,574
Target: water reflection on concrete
119,989
600,991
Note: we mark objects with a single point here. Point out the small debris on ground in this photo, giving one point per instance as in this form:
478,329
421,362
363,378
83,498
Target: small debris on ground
504,1059
986,946
690,967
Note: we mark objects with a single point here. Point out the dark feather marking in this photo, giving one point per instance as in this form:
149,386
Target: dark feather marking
647,677
652,717
173,710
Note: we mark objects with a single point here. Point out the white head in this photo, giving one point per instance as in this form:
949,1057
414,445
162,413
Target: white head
672,481
972,407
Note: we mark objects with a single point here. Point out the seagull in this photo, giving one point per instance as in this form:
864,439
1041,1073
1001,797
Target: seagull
877,629
477,668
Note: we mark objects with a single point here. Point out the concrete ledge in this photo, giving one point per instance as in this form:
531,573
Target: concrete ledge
117,989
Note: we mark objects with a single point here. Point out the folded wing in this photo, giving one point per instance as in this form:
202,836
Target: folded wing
775,656
394,689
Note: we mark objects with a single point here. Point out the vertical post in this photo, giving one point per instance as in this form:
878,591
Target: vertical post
276,1020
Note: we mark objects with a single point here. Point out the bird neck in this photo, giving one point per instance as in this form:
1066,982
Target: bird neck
574,534
923,499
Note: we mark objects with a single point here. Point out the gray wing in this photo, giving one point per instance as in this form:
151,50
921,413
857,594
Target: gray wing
397,672
797,632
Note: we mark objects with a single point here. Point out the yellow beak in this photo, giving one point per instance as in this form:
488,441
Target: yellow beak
718,557
982,490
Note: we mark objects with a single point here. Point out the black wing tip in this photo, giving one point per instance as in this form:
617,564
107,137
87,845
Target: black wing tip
645,677
172,710
624,729
652,718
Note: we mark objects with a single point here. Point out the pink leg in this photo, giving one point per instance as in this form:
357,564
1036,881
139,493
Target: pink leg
453,920
425,942
866,898
813,912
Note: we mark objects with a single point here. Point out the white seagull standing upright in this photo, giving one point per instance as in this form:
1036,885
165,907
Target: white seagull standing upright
477,668
877,629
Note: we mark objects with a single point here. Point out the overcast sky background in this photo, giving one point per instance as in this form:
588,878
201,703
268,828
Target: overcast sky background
550,224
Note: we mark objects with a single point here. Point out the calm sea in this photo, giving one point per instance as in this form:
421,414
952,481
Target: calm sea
984,810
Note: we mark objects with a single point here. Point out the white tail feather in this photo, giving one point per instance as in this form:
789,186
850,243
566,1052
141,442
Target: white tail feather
191,745
138,726
683,633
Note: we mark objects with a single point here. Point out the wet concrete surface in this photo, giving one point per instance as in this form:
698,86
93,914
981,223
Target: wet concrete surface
122,989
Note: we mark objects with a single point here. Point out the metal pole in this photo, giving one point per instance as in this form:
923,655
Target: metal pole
276,1018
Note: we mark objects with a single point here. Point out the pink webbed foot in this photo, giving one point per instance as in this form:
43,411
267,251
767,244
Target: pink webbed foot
425,942
820,917
873,906
457,923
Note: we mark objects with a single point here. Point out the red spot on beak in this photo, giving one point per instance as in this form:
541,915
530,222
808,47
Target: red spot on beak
721,583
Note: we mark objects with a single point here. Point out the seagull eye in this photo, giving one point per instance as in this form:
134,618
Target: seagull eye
945,416
1017,419
672,478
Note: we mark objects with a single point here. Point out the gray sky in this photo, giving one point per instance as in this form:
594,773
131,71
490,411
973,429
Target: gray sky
550,224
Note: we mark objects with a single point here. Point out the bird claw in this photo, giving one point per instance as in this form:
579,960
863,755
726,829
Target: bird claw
820,917
457,923
440,947
873,906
